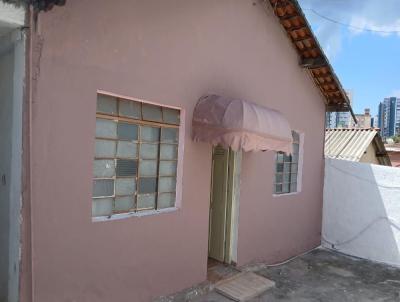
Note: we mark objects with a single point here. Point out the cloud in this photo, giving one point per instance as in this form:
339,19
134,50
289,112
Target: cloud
362,17
330,38
361,24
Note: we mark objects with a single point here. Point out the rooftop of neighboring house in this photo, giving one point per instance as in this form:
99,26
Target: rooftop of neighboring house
394,153
352,143
393,147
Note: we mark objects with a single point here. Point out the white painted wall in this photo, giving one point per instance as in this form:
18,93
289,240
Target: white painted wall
12,73
361,213
11,17
16,168
6,96
11,14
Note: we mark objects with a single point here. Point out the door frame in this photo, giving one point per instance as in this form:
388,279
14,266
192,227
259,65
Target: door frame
232,207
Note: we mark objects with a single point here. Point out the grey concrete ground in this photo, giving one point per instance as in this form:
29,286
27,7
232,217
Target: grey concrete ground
323,276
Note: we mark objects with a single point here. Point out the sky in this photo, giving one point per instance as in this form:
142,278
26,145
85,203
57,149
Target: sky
365,52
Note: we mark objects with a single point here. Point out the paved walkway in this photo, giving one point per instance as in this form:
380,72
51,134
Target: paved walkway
323,276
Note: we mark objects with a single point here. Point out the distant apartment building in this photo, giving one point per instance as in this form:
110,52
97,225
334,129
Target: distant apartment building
389,117
337,120
331,120
374,122
363,120
340,119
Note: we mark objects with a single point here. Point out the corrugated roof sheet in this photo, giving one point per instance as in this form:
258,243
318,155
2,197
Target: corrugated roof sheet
348,144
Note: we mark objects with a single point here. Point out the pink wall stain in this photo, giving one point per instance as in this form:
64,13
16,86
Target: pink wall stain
171,53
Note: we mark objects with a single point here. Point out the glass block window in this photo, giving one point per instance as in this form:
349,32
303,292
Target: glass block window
136,156
286,169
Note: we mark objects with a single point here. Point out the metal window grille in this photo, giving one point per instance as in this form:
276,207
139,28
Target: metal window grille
286,169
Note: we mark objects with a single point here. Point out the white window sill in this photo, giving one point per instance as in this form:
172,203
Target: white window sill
133,214
286,194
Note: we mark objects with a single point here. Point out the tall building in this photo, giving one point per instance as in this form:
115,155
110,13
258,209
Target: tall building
389,117
340,119
397,127
374,122
330,120
363,120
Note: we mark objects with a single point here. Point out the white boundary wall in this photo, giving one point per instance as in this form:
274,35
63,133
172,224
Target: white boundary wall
12,76
361,213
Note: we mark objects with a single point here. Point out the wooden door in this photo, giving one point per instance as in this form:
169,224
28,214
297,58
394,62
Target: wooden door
218,204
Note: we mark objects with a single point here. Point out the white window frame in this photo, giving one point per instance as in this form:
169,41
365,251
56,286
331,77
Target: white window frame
299,171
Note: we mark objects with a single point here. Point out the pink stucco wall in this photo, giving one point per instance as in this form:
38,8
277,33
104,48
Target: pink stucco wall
170,52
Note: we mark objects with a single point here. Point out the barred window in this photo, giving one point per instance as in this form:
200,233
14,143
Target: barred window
136,156
287,167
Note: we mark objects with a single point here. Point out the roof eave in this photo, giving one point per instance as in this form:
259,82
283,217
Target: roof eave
312,56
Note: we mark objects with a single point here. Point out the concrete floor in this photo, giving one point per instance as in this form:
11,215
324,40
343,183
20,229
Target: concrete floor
321,276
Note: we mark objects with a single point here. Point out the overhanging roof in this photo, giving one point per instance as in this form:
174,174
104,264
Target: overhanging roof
311,55
351,144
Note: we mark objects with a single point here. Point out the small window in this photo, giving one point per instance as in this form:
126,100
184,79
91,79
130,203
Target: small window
136,157
286,169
